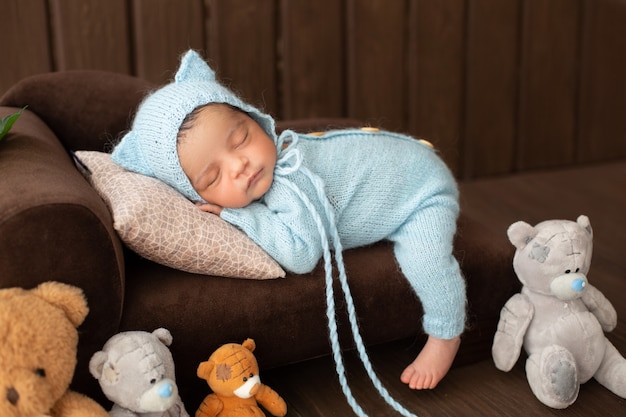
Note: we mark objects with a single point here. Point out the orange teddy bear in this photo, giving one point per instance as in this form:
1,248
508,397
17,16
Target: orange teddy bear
232,373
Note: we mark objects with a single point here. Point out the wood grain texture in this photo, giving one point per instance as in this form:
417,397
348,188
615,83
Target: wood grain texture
549,83
241,45
91,35
491,95
499,86
313,64
602,105
163,30
25,41
376,68
435,85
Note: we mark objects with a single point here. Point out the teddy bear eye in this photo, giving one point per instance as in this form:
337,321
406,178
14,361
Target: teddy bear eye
567,271
41,372
153,380
245,379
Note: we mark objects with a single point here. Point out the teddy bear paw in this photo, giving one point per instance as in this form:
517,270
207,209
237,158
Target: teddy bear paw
553,377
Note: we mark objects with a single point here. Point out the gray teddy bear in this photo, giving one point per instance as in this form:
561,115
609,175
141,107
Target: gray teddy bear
558,317
136,372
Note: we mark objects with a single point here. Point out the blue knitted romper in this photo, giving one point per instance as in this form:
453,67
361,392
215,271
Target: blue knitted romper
378,185
350,188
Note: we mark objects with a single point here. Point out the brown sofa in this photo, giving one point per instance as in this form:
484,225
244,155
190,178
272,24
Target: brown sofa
54,226
525,100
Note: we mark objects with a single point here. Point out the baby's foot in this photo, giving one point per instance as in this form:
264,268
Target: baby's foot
432,363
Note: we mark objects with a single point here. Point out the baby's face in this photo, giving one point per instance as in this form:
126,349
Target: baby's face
227,156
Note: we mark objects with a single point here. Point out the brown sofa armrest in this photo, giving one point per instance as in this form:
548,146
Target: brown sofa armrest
85,109
53,226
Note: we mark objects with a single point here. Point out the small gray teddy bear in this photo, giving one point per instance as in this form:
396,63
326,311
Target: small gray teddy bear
135,370
558,317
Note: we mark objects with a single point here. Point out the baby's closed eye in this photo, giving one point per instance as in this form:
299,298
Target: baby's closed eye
240,139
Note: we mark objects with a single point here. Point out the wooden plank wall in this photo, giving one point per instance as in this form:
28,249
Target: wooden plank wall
498,85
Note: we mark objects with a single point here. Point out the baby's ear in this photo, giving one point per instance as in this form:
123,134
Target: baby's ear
193,68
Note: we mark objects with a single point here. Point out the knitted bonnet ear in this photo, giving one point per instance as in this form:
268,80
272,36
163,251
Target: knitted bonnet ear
193,68
149,148
128,154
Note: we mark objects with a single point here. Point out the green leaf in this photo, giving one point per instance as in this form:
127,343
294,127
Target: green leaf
7,122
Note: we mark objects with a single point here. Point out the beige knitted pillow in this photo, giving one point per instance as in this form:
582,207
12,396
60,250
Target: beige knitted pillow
160,224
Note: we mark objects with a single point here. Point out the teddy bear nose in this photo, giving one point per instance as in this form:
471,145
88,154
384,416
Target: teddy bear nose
578,285
12,396
165,390
568,286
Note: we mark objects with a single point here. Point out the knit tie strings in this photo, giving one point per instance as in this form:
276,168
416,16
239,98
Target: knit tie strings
330,300
290,158
288,154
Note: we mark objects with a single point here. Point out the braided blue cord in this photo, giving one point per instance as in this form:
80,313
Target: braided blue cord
330,298
359,340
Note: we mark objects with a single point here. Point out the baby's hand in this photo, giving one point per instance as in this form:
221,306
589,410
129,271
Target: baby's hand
210,208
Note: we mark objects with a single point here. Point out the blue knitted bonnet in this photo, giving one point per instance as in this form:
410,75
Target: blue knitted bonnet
149,148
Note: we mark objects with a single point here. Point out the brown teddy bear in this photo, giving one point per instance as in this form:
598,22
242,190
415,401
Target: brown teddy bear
232,373
38,352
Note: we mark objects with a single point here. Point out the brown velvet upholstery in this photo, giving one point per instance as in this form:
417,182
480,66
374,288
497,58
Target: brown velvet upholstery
85,109
54,226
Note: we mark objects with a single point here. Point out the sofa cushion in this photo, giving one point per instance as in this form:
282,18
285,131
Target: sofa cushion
86,109
161,225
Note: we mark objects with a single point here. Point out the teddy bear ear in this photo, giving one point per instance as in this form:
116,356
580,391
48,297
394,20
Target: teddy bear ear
583,221
163,335
520,233
249,344
103,370
68,298
204,369
96,363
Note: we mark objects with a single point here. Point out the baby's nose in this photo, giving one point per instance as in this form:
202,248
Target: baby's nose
240,165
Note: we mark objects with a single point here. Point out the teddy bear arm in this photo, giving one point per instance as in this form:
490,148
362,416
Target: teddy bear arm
73,404
271,401
210,407
515,317
601,307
